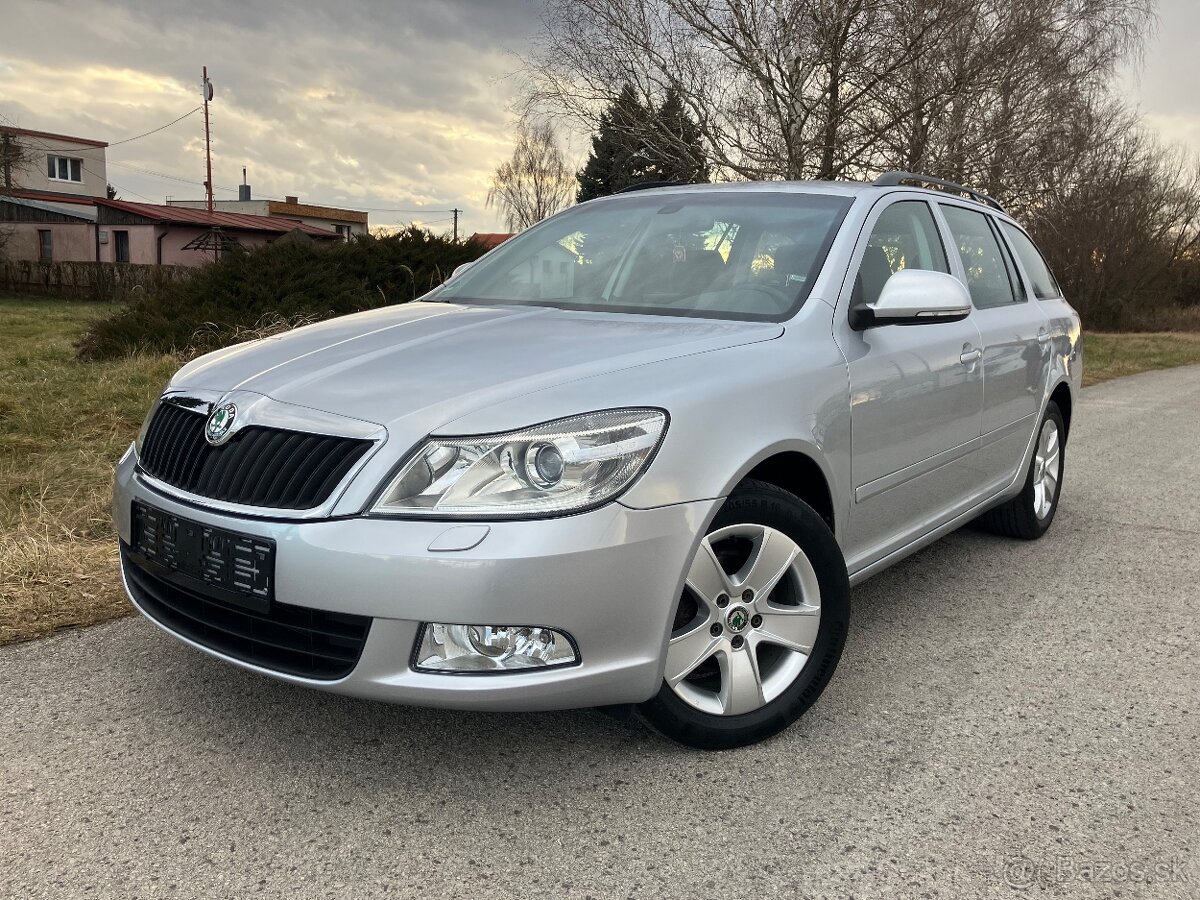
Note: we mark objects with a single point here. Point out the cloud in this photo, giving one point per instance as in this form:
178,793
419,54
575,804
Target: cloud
1164,85
383,105
388,105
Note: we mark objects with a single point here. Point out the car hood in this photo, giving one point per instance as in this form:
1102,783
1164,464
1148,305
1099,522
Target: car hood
416,367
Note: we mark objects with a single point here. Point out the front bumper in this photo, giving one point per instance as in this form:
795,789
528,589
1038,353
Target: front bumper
609,578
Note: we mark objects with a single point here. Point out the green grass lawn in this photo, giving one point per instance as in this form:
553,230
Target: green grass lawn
1108,356
64,423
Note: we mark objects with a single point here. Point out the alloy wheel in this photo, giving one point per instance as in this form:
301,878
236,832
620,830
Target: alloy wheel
747,622
1047,468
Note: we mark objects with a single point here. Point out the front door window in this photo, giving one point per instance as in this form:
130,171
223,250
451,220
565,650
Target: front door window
904,237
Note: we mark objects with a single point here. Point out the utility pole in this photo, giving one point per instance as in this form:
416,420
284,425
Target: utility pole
208,95
456,212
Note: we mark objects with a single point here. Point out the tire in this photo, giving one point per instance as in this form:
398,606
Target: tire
737,670
1029,514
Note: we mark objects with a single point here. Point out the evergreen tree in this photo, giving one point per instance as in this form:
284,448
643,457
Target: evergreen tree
618,158
635,143
676,150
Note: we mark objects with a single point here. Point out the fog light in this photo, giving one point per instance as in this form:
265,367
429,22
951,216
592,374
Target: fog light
492,648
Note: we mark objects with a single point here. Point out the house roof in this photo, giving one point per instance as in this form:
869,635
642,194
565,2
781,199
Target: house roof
285,209
53,196
280,208
8,129
489,239
71,210
182,215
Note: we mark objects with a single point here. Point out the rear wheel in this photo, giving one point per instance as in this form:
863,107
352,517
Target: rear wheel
760,626
1029,514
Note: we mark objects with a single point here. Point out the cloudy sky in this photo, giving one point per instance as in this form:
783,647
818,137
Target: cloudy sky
403,108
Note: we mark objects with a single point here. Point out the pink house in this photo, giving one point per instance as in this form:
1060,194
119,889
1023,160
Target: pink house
176,235
50,228
45,228
54,208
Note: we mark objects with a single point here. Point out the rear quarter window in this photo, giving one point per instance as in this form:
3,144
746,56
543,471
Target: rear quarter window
1041,280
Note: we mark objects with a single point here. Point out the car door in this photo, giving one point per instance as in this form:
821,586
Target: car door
916,394
1062,322
1016,351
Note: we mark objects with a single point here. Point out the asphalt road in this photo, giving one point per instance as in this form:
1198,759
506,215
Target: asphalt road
1009,719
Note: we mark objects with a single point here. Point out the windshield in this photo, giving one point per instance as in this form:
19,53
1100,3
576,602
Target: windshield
738,256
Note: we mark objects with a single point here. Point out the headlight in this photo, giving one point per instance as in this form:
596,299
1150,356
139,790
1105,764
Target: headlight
559,467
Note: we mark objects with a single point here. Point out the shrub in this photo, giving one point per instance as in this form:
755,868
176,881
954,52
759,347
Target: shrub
287,283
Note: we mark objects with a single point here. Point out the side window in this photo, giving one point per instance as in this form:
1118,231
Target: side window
990,276
904,237
1010,264
1044,285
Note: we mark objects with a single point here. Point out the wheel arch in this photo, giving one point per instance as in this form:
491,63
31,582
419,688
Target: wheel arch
1064,399
800,470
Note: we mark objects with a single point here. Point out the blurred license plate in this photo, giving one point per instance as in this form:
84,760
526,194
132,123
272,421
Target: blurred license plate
235,568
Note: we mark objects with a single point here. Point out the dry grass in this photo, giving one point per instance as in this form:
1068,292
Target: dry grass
267,325
63,425
1108,356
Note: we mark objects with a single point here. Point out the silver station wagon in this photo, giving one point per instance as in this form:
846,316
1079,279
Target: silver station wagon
633,458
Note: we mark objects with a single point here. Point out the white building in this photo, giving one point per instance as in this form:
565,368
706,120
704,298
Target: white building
345,222
44,165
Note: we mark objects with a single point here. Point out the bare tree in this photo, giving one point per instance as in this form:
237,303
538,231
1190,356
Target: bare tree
15,159
536,182
1003,87
840,88
1013,96
1120,224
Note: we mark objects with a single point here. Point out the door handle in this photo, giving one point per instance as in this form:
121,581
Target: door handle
970,357
1043,336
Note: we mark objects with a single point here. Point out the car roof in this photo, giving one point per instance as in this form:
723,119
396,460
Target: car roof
837,188
852,189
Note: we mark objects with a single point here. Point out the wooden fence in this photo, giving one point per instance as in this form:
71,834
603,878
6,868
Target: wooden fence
100,281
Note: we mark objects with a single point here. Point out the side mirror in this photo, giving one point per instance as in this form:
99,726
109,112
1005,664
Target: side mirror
914,297
458,270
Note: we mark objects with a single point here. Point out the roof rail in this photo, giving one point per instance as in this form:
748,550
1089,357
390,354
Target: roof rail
889,179
648,185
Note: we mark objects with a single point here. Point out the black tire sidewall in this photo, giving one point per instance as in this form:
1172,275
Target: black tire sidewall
763,504
1032,526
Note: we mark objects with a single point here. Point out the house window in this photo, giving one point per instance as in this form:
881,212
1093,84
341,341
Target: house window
45,244
343,231
64,168
121,241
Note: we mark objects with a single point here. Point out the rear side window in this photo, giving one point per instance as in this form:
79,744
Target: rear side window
1044,285
990,277
904,237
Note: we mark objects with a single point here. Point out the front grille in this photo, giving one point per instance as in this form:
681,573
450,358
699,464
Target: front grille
258,466
294,640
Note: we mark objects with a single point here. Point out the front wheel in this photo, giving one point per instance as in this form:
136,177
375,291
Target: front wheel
760,627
